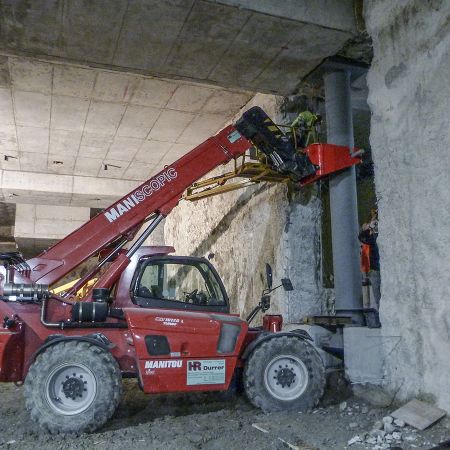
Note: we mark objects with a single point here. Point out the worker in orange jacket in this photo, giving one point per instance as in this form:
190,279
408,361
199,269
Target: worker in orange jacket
370,257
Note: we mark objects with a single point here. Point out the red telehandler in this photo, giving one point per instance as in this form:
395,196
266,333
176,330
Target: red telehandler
164,320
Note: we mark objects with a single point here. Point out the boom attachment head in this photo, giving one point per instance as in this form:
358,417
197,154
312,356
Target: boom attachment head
277,157
258,127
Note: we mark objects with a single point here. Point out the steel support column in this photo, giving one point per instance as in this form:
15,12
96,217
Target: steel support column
343,198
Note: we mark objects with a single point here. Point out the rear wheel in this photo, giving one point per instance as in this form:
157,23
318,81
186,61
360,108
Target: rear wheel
284,373
73,386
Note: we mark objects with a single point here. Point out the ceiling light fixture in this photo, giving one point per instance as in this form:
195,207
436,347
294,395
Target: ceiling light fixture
105,166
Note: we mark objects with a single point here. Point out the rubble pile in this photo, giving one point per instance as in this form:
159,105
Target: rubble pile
385,433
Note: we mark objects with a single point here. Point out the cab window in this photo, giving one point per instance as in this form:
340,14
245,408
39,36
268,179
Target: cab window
187,283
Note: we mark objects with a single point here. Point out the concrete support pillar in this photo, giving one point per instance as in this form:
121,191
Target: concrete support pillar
39,226
343,198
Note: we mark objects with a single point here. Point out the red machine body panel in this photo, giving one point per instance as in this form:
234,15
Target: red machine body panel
11,353
185,351
329,159
19,344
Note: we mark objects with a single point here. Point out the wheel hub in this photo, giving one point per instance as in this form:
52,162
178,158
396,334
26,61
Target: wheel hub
73,387
285,376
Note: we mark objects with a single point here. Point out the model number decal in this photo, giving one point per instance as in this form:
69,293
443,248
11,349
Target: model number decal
170,321
206,371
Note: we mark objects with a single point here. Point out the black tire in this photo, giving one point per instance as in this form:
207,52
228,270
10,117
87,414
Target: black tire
73,387
284,373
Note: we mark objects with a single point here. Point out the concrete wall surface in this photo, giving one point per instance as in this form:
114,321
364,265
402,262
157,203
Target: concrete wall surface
245,229
410,137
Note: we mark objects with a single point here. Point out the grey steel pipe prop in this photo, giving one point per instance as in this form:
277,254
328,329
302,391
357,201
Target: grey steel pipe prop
343,198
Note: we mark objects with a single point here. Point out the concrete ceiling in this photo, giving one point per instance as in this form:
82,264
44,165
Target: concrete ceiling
64,119
264,45
131,85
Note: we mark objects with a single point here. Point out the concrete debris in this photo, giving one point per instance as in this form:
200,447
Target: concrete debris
353,425
376,433
399,423
419,414
343,406
364,409
397,435
410,438
378,425
384,434
354,440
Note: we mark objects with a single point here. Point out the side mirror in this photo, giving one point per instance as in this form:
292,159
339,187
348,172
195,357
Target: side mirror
269,276
287,284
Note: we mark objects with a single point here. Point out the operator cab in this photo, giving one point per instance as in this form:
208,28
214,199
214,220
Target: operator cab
174,282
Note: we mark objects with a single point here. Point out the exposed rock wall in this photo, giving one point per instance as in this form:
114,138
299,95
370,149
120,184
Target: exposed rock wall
245,229
409,84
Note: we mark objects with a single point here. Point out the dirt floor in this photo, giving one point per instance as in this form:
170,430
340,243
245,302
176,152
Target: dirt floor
208,421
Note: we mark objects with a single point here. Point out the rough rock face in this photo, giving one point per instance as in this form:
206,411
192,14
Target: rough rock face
410,137
245,229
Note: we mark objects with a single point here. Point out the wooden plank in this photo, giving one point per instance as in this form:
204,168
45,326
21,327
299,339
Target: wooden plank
272,429
419,414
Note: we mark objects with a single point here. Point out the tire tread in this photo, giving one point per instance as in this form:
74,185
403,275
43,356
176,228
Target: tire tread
99,361
253,378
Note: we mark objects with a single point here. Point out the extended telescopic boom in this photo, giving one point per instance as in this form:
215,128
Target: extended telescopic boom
119,223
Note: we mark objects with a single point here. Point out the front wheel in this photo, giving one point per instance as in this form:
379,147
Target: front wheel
73,386
284,373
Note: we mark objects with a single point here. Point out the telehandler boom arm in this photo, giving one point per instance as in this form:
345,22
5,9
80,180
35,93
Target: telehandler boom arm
120,222
159,194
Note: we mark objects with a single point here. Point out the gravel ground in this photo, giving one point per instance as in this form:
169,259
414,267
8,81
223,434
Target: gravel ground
207,421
